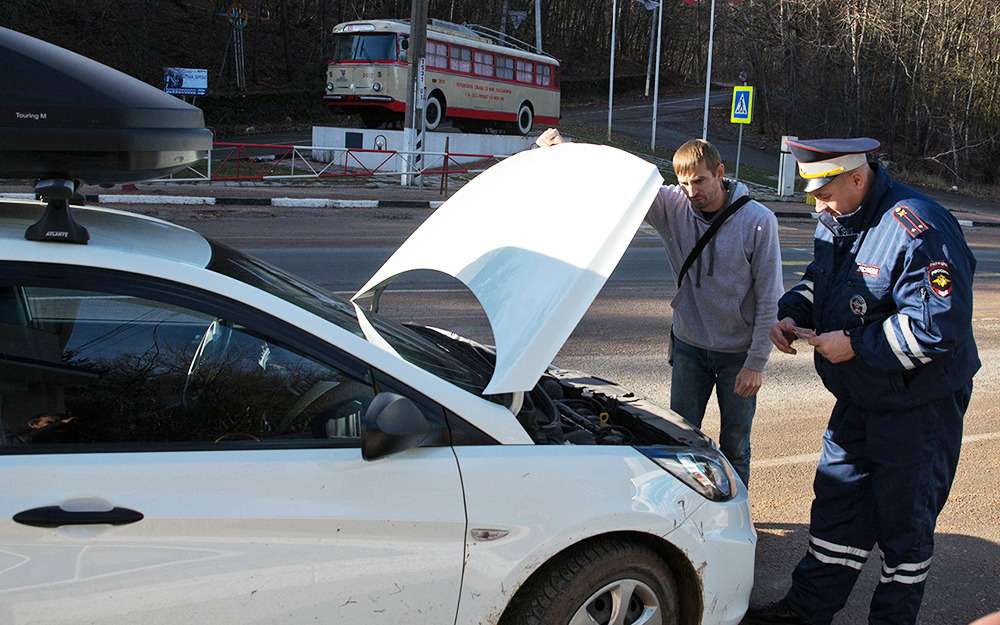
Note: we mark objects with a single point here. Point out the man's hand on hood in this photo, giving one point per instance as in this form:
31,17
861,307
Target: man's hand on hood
548,138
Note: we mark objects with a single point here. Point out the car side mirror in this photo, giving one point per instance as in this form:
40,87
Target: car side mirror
392,424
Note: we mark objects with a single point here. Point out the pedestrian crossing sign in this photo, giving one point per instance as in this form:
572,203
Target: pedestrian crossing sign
742,110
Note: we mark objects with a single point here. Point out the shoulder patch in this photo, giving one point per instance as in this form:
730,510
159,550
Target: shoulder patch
909,220
939,277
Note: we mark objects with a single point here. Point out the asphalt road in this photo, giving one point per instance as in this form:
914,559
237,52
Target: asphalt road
623,338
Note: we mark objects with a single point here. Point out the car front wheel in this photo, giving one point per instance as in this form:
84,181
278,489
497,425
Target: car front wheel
607,582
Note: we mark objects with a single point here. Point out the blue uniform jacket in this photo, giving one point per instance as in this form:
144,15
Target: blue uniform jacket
897,276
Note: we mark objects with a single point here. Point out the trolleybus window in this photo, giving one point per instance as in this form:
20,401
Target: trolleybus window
544,75
484,64
437,54
461,59
364,47
524,73
505,67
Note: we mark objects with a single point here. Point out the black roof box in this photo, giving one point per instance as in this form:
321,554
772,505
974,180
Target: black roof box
63,115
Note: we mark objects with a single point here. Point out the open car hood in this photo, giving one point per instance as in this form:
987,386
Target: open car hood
534,238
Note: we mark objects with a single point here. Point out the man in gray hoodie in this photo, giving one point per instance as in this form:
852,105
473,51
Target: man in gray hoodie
727,302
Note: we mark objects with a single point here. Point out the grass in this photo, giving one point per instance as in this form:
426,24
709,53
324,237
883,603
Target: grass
936,181
661,157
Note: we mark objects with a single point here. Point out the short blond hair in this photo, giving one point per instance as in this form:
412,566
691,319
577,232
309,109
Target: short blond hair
695,152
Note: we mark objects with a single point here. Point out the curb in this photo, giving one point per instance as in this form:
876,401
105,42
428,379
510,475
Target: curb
282,202
294,202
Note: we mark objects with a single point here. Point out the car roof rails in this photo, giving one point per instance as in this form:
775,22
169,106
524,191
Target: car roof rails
70,120
57,224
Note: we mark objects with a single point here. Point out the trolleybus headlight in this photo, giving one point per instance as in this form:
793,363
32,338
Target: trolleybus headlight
377,86
329,86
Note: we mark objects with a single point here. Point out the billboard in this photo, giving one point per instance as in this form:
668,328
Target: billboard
185,81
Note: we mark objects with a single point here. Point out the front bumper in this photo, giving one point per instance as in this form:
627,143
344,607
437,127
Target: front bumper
720,541
354,102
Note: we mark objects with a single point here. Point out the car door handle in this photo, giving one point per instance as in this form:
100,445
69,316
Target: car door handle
54,516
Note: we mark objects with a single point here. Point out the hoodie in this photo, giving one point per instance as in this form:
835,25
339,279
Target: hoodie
729,298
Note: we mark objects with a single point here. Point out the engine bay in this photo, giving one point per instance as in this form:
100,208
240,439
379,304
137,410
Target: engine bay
570,407
575,408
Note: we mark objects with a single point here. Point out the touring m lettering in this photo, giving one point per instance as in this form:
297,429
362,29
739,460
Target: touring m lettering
34,116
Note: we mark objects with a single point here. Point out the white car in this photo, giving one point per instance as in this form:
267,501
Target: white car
190,435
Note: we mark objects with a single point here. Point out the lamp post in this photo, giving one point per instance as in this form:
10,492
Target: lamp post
708,72
611,75
656,80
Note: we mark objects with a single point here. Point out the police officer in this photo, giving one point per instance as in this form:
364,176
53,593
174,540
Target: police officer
887,305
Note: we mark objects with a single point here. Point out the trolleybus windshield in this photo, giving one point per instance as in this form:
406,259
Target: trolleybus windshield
364,47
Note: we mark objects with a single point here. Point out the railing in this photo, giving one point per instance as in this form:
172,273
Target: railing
228,161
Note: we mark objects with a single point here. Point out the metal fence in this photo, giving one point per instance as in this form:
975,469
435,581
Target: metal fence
229,161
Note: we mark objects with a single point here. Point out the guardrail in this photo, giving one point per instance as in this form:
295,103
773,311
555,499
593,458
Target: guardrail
229,161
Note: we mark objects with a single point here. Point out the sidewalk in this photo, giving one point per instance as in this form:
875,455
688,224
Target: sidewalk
967,218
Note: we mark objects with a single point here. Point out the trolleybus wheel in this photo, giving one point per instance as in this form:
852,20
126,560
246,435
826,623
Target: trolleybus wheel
433,113
525,118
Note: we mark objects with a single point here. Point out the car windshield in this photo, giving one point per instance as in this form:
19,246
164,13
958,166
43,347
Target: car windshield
367,47
446,359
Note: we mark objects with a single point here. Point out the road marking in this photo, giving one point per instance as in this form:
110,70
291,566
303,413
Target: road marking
810,458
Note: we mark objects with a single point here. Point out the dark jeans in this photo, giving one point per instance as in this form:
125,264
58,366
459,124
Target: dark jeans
695,372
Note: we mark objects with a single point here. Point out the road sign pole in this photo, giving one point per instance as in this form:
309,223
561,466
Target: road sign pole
739,143
739,148
741,113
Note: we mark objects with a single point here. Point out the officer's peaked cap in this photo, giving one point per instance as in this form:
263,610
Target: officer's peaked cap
822,160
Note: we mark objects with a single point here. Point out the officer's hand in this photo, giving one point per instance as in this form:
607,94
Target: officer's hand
834,346
548,138
782,335
748,382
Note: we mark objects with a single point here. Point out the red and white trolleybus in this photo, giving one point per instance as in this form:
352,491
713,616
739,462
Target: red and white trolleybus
472,78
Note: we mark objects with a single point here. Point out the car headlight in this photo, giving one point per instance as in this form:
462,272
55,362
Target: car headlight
706,471
376,86
329,86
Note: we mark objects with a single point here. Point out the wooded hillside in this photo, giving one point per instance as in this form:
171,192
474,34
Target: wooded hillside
921,75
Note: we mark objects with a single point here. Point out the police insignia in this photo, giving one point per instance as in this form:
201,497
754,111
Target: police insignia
909,220
869,270
939,277
859,306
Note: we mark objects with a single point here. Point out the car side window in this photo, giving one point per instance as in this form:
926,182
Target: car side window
92,368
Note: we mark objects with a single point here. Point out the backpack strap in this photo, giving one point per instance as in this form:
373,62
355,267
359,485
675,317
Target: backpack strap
707,236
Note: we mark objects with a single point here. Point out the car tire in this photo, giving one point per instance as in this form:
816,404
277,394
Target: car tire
525,118
433,113
591,581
